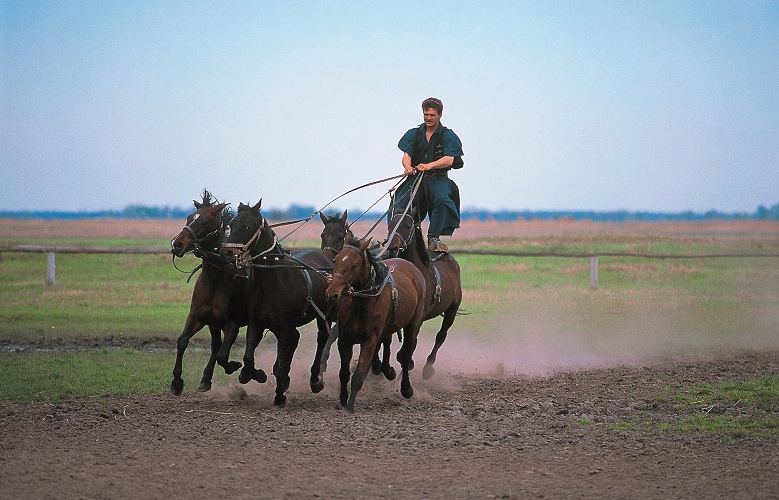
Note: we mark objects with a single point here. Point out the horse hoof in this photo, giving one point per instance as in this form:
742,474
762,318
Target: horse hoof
260,376
390,373
177,387
204,387
317,386
232,367
244,377
280,400
376,369
406,392
428,371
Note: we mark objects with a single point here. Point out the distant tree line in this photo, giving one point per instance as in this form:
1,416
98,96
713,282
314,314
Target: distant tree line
294,212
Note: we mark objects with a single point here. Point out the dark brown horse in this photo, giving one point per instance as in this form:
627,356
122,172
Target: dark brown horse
376,299
441,272
285,291
218,299
335,233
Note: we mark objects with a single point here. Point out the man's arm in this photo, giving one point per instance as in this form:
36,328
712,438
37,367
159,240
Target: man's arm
441,163
406,161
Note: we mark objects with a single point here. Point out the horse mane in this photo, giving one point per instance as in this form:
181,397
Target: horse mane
370,252
421,248
208,199
336,217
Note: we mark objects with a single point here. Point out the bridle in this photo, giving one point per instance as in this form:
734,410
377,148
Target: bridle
407,240
242,251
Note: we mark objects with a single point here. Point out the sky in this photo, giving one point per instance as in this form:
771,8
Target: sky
662,106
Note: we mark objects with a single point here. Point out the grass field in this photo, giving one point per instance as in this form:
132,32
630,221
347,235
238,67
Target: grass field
521,314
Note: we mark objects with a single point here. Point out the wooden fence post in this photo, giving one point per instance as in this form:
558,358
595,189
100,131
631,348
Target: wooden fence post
594,272
52,269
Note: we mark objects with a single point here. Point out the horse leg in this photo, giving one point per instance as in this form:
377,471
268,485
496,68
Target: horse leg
208,371
191,327
322,338
223,356
287,344
404,356
376,361
345,351
387,369
428,371
248,372
367,351
328,345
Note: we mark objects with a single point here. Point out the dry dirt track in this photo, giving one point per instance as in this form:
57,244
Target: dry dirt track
459,437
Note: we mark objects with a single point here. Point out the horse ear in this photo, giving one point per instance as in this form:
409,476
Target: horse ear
197,205
322,216
220,207
365,243
258,205
344,218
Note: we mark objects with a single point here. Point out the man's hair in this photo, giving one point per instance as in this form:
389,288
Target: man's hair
432,102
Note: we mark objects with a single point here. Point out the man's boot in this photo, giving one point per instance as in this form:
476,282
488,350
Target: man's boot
434,244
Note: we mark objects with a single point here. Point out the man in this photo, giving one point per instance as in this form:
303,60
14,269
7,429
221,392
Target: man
432,150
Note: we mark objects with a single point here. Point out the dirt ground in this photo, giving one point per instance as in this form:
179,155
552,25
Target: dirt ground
464,434
458,437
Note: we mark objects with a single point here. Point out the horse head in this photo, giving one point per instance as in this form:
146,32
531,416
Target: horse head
202,231
335,234
352,267
401,232
243,234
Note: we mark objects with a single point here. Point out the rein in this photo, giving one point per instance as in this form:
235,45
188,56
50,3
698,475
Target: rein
394,231
367,184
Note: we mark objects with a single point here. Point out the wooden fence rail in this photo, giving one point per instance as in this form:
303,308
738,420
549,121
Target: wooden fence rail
593,256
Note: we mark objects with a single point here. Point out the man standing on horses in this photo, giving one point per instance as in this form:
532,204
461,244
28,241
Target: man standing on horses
432,150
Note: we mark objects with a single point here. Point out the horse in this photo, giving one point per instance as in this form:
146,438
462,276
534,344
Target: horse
218,299
285,291
335,233
441,272
376,298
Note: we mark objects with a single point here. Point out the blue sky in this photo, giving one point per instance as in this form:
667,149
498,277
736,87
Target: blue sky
598,105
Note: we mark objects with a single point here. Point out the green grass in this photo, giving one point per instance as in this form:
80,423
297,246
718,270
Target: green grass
93,296
734,409
56,376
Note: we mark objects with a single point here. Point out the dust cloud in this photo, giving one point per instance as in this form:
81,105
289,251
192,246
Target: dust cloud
539,347
520,346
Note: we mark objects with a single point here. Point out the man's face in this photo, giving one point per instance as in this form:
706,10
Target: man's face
432,118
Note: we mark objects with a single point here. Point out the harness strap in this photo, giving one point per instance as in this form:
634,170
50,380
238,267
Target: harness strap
437,294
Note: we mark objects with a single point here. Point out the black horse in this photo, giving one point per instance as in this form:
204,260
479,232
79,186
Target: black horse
218,299
441,272
285,291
